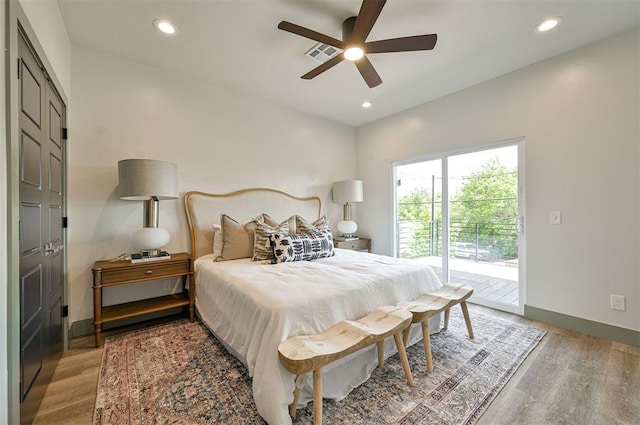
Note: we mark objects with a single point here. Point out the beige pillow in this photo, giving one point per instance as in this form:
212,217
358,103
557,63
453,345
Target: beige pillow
291,220
266,218
237,238
303,226
262,231
292,224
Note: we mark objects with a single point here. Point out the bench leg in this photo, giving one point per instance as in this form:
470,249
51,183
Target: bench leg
403,358
294,405
427,344
380,353
317,396
405,335
446,319
467,319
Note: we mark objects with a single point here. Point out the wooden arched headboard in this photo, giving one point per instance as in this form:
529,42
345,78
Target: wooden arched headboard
204,209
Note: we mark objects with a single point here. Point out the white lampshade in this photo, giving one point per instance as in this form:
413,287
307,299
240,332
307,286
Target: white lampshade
142,179
347,191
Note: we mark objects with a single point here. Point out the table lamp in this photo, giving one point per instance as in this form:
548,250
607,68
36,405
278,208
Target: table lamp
148,180
346,192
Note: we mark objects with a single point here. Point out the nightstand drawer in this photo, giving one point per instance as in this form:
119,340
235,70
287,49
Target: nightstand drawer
357,245
144,272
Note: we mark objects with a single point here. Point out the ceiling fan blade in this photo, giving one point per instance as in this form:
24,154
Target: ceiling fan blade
322,68
310,34
367,17
402,44
368,72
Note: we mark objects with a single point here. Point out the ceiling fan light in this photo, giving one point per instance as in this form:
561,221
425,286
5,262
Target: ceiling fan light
164,26
353,53
549,24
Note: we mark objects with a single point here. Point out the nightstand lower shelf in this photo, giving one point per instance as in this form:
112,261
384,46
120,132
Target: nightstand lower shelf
138,308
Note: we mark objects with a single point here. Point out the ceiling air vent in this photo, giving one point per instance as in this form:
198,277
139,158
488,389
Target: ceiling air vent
322,52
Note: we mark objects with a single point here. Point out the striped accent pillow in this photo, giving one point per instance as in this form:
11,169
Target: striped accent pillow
301,247
261,245
319,225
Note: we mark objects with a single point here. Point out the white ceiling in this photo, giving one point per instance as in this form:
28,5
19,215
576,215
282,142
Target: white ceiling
236,44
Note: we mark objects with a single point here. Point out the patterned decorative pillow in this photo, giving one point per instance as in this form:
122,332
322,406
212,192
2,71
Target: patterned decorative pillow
319,225
301,247
262,230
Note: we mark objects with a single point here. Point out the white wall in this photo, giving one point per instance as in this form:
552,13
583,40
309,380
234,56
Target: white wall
4,277
221,141
46,20
579,113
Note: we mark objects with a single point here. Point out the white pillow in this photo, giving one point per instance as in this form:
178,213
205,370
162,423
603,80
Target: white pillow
217,240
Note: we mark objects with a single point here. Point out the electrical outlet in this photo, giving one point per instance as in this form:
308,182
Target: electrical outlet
555,217
166,286
618,302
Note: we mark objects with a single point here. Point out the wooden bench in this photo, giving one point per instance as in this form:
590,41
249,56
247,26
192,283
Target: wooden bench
430,304
309,353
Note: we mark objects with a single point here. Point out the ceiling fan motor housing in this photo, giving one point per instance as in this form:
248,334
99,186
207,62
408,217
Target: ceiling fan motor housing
347,28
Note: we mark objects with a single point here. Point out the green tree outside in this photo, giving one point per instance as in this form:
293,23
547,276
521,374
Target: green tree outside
484,209
416,208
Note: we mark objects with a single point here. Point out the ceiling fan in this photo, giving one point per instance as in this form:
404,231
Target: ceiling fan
355,31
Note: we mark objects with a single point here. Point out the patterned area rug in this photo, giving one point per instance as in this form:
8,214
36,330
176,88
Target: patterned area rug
178,373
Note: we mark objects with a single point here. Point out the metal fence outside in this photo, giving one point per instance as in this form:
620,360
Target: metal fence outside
498,236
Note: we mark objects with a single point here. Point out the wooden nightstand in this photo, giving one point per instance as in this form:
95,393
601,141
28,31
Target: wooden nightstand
111,273
361,244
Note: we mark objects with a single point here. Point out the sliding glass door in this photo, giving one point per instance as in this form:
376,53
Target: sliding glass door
419,212
462,213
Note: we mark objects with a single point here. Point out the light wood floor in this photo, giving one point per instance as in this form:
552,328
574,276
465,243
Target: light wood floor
570,378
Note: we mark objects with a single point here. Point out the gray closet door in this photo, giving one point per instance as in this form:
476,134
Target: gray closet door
41,282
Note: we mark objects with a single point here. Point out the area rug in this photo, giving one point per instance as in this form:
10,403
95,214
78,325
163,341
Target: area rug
178,373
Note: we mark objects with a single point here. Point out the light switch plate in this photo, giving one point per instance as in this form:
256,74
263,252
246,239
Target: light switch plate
555,217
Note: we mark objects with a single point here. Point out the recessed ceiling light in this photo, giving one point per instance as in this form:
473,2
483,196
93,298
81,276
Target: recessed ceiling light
164,26
549,24
366,105
353,53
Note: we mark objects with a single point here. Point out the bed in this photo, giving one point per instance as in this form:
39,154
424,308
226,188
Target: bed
252,306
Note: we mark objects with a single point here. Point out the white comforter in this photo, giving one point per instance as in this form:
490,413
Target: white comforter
253,307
